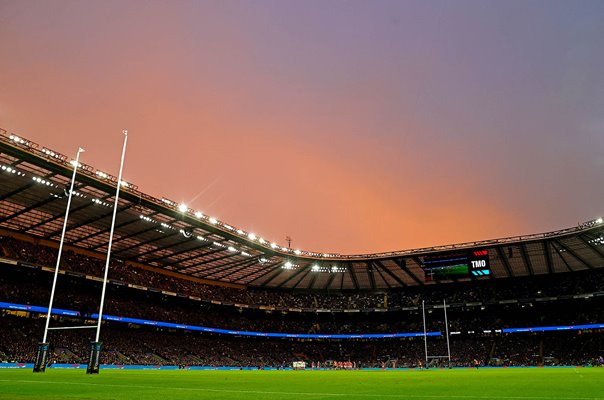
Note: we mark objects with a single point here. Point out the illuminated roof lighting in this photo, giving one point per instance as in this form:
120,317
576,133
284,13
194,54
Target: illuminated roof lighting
213,221
198,214
251,236
53,154
183,208
19,140
148,219
37,179
599,221
103,203
168,202
13,171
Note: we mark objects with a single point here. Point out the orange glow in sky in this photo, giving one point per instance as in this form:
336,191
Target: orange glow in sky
350,126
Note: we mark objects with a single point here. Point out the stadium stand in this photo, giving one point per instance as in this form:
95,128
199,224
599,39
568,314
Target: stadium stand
160,346
176,265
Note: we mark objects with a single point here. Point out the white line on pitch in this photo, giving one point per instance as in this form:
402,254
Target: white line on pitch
402,395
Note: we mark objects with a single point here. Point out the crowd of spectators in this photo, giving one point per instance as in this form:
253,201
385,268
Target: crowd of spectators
146,346
30,286
487,291
132,344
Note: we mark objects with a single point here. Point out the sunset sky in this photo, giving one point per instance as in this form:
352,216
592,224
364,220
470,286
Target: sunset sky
351,126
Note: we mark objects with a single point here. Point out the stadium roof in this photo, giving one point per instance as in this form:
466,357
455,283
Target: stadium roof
163,234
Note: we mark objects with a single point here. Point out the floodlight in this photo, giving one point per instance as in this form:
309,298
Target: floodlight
182,208
251,236
198,214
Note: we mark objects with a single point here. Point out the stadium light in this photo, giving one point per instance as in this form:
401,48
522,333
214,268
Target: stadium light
54,154
251,236
12,170
213,221
183,208
599,220
198,214
102,203
20,140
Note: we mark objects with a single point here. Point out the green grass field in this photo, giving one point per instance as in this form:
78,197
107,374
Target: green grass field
517,384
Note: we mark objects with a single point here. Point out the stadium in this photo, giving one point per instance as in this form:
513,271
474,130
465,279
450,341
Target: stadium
188,292
300,200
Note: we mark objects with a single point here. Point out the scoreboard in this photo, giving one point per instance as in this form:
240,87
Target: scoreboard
457,265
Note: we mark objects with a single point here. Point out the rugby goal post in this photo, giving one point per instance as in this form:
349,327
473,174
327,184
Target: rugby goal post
434,359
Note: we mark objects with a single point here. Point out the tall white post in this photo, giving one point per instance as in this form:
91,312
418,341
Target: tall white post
54,281
425,333
447,331
115,205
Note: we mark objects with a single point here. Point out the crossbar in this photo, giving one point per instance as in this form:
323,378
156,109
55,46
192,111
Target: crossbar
73,327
